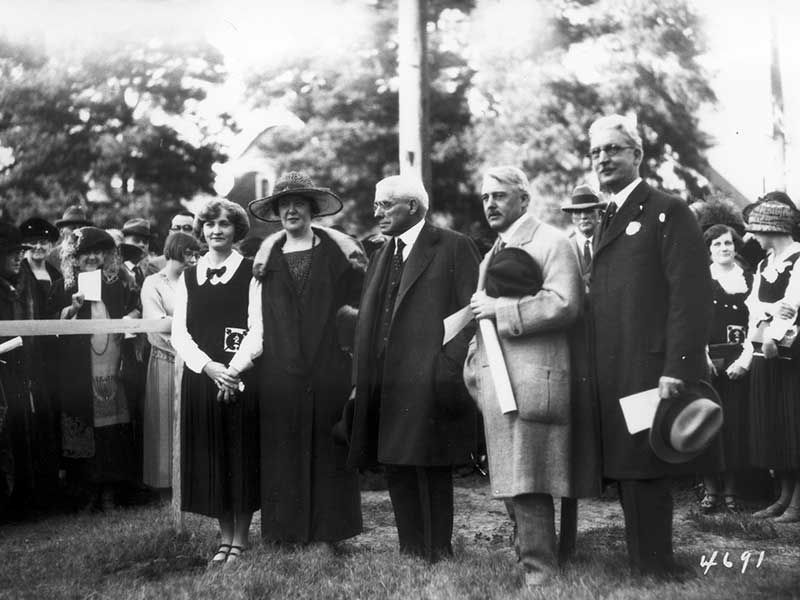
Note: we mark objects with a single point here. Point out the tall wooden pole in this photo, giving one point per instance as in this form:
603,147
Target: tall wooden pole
778,129
413,74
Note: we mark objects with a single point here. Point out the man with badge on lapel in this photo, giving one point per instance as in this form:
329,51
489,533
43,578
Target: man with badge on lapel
651,302
411,412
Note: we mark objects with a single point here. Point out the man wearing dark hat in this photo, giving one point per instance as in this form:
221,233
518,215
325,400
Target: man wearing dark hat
136,232
584,209
651,306
410,411
533,296
73,218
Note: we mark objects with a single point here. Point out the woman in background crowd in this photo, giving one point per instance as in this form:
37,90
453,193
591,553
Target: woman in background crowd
219,417
97,440
301,318
773,351
181,250
731,286
40,236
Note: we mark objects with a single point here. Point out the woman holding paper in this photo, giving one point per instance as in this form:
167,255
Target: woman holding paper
181,250
97,439
772,352
731,284
219,412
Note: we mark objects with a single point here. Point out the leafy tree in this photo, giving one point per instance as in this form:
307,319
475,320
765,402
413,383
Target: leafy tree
120,121
349,104
585,58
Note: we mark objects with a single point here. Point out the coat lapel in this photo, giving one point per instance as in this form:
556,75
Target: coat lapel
421,254
630,210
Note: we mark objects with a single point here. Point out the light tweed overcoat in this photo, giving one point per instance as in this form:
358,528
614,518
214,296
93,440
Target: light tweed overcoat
534,331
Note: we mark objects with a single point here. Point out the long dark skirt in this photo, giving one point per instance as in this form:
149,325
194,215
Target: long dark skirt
775,413
308,492
735,395
219,449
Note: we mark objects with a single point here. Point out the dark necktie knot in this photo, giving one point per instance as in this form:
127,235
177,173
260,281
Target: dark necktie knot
218,272
611,210
587,251
398,246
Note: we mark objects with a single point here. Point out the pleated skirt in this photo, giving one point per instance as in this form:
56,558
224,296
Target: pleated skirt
735,398
775,413
219,449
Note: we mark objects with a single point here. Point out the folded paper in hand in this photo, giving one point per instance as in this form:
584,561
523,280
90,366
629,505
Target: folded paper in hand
89,285
456,322
640,409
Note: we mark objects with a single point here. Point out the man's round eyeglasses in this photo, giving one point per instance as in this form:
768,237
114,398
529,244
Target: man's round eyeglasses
186,228
609,149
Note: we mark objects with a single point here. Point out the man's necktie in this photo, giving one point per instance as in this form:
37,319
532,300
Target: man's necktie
218,272
390,294
611,210
587,252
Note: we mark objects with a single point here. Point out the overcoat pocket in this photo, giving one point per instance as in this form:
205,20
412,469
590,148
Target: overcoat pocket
545,398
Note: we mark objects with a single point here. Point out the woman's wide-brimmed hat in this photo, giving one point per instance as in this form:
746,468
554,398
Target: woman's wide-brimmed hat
74,216
92,238
583,198
684,427
512,272
774,213
37,228
295,183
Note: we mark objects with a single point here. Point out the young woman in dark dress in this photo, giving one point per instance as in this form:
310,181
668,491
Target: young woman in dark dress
731,285
774,375
219,412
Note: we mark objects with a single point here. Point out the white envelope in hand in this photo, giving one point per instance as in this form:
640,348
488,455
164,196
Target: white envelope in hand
640,409
89,285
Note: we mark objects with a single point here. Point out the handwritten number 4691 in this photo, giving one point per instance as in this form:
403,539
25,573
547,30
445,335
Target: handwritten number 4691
727,563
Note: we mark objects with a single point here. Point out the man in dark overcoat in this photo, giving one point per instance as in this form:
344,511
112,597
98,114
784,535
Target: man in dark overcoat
411,412
584,211
651,303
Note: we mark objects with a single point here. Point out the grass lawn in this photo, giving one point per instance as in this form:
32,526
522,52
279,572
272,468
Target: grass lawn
137,553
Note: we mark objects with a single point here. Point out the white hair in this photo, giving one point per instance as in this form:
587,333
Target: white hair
625,125
403,187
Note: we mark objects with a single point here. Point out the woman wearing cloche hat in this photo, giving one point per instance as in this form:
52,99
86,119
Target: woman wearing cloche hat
771,351
306,292
97,438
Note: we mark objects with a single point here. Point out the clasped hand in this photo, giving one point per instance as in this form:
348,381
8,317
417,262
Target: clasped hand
225,378
483,306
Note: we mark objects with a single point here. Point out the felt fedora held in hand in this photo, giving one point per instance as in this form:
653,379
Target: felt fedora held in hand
583,198
295,183
74,216
684,427
513,273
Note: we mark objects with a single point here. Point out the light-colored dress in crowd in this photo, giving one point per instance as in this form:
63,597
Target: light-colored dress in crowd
158,301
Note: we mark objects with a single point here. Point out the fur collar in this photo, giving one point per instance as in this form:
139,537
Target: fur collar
350,248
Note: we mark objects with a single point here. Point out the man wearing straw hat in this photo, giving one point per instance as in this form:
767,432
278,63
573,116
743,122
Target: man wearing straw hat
651,309
543,448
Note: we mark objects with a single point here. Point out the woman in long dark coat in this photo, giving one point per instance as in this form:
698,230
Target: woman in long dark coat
96,433
302,308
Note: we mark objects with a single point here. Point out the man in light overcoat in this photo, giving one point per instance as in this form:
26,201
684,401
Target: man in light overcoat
535,452
651,304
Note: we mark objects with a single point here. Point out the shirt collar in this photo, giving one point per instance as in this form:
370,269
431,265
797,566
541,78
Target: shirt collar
788,251
582,238
409,237
622,195
231,264
508,234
